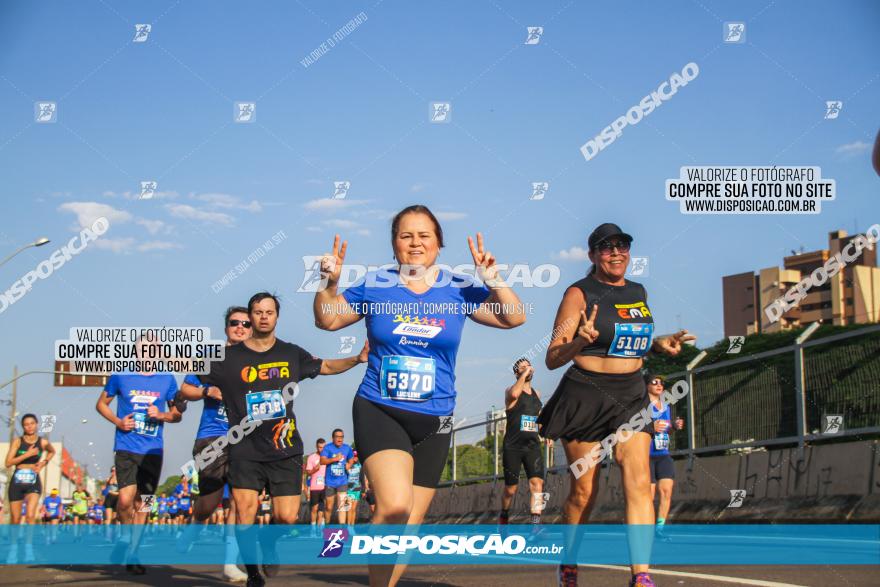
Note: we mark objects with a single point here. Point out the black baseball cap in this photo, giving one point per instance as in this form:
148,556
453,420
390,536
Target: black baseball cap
604,231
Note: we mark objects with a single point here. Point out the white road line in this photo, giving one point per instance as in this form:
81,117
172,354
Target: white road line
719,578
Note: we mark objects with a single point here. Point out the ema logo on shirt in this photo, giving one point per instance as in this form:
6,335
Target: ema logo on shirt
265,372
630,311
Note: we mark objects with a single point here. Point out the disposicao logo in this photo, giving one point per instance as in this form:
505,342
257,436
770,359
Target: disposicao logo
334,542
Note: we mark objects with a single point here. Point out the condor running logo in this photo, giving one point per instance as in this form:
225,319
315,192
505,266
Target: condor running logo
334,542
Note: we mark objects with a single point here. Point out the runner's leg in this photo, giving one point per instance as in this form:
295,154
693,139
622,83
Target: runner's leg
633,456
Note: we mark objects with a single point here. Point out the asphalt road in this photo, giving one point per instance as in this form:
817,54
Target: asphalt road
449,576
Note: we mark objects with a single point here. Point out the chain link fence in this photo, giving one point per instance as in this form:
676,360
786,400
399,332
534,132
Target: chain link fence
828,388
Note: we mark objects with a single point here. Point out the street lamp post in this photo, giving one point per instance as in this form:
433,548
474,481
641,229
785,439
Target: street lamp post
37,243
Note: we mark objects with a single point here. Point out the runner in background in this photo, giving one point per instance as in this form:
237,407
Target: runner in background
80,507
316,472
213,425
29,454
354,489
145,403
662,467
184,510
338,458
265,514
110,492
162,499
54,513
173,506
522,447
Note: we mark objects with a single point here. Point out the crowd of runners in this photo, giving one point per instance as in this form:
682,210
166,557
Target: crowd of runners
401,411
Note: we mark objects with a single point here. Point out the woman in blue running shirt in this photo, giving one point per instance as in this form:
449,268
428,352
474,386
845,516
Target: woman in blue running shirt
415,314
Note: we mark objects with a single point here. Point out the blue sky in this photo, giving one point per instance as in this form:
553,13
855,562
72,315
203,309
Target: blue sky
163,110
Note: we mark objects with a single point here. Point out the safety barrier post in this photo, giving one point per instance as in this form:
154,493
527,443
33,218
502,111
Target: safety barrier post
454,458
800,386
691,420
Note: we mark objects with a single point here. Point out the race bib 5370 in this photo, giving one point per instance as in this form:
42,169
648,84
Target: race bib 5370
408,379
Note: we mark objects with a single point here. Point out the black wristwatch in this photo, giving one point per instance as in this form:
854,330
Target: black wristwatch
205,392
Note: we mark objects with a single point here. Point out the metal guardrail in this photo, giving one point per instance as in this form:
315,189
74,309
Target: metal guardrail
772,398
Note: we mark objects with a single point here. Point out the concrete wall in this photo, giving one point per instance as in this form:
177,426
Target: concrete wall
832,482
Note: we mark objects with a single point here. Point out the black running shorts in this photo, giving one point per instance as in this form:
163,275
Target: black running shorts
378,427
142,470
282,477
530,459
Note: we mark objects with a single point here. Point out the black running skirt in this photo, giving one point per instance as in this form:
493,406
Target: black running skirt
588,406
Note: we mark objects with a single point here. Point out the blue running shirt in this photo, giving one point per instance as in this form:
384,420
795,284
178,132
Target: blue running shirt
135,393
660,440
214,422
414,339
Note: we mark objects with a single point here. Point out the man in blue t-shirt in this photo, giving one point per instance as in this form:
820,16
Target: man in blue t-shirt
146,401
53,507
338,457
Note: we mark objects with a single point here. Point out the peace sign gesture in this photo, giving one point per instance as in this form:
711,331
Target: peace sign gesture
586,329
484,262
331,263
671,345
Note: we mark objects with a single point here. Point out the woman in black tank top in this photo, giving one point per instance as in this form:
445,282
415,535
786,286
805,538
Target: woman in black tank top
605,326
28,453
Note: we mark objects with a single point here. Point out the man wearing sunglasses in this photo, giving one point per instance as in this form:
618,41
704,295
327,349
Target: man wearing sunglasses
212,426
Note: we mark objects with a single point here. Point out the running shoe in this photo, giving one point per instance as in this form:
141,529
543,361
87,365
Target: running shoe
504,518
233,574
567,576
270,563
641,580
255,580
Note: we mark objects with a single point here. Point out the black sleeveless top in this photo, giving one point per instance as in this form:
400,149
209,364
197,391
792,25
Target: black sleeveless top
25,446
522,426
624,320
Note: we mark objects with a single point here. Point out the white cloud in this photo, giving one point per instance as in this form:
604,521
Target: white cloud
313,229
157,246
115,245
153,226
331,205
341,223
191,213
854,148
450,215
363,232
573,254
417,187
230,202
88,212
